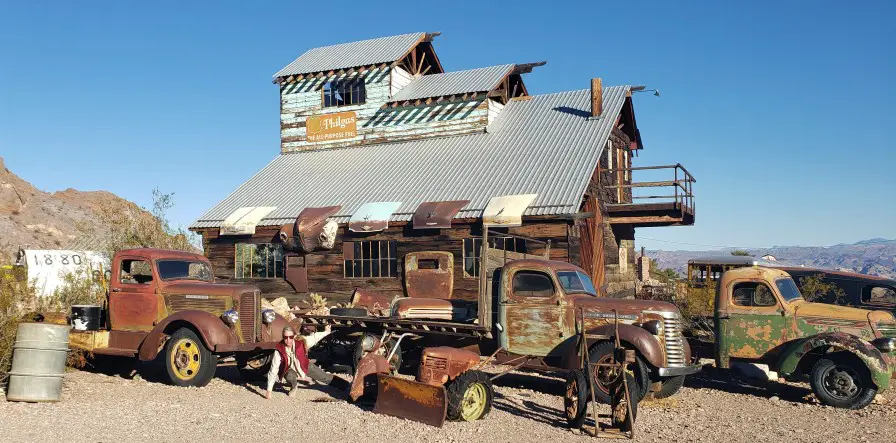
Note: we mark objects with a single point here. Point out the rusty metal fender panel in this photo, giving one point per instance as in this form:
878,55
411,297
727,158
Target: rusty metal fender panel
211,329
644,342
436,215
873,358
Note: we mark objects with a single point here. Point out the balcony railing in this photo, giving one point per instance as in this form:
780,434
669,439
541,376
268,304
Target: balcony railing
669,202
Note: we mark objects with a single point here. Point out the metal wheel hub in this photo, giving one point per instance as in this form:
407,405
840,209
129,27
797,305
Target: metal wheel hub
185,359
841,382
473,403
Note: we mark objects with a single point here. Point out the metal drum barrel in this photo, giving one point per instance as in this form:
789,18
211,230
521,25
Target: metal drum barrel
38,362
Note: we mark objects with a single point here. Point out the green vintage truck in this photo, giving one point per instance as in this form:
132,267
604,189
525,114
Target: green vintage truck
847,353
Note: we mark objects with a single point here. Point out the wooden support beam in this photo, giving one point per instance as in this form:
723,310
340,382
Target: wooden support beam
597,97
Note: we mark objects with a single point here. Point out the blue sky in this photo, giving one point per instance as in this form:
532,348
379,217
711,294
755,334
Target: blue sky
783,111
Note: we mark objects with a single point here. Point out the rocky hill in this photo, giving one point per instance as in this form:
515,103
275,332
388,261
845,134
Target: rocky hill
67,219
875,256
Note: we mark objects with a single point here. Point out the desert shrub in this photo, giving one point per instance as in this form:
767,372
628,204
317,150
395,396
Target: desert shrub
18,300
814,288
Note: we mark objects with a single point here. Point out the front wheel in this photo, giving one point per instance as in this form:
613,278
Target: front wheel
842,382
575,401
604,376
670,386
470,396
188,361
255,368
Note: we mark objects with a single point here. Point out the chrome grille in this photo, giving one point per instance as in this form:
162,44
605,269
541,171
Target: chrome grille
248,315
674,340
887,330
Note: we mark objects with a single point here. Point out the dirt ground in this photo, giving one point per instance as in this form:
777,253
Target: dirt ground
712,407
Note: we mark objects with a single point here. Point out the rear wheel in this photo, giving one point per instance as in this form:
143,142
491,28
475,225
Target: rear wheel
575,401
187,360
602,353
254,368
470,396
670,386
842,381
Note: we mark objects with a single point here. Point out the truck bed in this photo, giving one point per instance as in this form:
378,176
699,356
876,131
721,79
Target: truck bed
420,327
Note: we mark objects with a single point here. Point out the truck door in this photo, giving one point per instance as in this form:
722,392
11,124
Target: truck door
530,314
753,323
133,303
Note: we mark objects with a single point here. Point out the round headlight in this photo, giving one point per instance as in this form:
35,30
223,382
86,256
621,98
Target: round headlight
653,326
231,317
268,316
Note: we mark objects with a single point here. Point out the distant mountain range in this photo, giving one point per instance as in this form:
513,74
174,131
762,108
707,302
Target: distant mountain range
876,256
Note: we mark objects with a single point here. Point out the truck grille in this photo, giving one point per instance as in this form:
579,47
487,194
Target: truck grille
674,340
213,305
435,363
249,312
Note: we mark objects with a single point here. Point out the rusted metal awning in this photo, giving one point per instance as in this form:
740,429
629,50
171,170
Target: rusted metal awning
243,220
372,217
506,210
433,215
310,225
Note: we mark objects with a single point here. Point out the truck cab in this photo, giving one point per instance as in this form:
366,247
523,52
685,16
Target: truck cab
761,317
161,300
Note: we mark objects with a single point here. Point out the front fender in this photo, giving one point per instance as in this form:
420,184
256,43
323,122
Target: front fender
644,342
866,352
210,328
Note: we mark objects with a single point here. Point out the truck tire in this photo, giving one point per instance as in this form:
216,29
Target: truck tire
842,381
254,368
470,396
349,312
575,401
602,353
361,351
670,386
187,360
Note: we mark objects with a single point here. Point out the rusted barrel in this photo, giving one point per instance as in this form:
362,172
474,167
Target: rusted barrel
38,362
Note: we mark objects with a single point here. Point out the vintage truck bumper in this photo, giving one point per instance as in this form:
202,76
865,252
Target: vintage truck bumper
679,370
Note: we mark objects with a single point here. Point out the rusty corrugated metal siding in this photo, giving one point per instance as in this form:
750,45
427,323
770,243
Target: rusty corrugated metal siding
458,82
546,145
350,55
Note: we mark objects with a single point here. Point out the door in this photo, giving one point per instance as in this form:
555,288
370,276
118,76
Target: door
753,324
296,273
133,302
531,314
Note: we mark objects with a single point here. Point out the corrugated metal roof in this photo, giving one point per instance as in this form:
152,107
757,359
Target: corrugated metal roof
458,82
547,145
350,55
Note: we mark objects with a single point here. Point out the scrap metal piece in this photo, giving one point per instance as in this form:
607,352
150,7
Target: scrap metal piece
243,220
377,304
429,274
435,215
372,217
411,400
506,210
364,384
312,231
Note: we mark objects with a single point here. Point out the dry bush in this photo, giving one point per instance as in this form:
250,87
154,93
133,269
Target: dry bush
814,288
18,300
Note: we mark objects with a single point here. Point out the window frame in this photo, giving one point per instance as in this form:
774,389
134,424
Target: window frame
477,251
349,86
777,302
130,262
391,271
547,275
239,265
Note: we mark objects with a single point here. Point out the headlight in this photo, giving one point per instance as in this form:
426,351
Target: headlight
653,326
231,317
268,316
885,344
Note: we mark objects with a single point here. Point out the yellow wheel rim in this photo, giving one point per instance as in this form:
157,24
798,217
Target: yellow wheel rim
474,402
185,359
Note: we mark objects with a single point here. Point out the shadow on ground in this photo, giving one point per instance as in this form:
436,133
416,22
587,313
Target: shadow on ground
733,382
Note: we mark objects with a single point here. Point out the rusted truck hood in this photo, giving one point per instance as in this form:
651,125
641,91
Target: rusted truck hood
622,305
212,289
808,309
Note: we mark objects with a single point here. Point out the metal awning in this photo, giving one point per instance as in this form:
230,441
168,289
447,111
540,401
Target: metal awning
506,210
243,220
310,224
372,217
433,215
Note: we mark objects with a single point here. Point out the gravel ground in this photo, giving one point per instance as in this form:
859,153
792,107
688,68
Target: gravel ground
528,407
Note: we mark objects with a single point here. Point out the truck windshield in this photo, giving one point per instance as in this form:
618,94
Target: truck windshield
576,282
788,289
184,270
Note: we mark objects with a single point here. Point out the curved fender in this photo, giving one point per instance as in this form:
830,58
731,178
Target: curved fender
869,355
211,329
644,342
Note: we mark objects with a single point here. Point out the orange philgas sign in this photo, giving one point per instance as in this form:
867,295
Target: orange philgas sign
338,126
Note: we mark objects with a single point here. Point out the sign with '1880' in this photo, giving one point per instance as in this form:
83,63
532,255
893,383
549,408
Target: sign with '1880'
321,128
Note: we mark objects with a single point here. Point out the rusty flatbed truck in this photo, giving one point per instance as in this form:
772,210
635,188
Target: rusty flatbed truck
760,317
167,301
533,325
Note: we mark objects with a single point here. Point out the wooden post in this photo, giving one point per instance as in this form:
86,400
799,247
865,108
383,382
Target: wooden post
597,97
485,301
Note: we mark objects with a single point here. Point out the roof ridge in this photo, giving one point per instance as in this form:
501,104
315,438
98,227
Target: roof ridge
365,40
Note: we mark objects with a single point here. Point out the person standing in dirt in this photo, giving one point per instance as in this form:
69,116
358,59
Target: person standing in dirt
290,362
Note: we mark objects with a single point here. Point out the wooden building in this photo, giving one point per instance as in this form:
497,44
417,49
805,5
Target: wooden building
375,134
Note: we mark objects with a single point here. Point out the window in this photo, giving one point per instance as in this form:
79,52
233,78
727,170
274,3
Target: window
532,284
135,272
576,282
788,289
753,295
371,259
879,294
343,93
259,260
473,250
184,270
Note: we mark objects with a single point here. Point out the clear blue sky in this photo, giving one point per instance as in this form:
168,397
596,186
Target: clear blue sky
783,111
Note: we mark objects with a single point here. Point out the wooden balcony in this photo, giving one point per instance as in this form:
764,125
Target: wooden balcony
673,206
